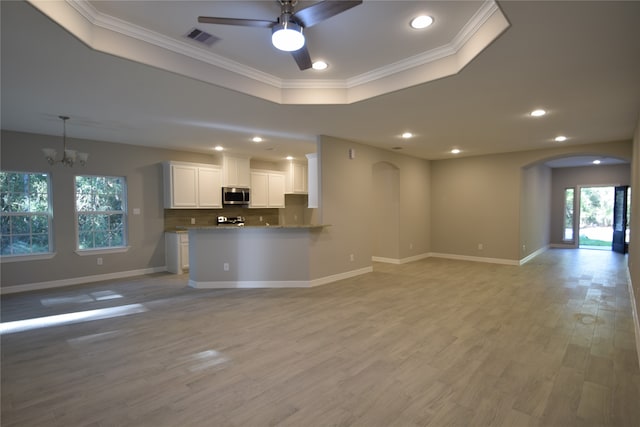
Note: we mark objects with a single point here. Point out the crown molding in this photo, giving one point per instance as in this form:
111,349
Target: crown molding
128,29
109,34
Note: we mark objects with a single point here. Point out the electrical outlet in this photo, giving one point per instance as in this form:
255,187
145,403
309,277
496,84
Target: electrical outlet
480,246
260,218
351,257
99,260
193,221
226,266
410,245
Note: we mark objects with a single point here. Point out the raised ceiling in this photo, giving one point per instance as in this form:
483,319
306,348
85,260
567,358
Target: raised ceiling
371,48
469,81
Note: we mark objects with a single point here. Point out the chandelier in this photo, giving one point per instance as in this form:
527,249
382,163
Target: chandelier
69,157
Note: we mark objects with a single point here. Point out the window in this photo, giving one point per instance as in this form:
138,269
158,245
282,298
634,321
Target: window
25,216
101,212
567,235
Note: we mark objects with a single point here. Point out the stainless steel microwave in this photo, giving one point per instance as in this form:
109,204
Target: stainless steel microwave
235,196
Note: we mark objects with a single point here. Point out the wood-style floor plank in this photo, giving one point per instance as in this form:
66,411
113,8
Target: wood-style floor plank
430,343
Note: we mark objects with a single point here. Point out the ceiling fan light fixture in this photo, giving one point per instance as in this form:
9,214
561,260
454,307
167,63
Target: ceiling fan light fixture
287,36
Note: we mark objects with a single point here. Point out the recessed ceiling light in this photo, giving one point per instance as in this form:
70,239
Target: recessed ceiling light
455,151
596,162
257,139
218,148
538,113
319,65
407,135
289,157
560,138
420,22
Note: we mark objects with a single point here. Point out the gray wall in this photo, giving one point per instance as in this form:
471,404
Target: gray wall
634,245
534,209
478,199
347,202
385,215
141,167
444,206
581,176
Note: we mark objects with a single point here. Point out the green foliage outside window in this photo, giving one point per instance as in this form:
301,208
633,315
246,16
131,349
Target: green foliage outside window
101,208
25,214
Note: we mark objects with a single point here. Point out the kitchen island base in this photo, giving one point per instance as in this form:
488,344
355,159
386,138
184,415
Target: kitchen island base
256,257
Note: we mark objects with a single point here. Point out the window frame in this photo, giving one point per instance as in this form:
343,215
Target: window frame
50,253
125,218
564,212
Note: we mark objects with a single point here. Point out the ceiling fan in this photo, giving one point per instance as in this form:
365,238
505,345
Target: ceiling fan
286,31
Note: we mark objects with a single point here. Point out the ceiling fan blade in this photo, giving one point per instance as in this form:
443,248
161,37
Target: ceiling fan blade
302,58
318,12
233,21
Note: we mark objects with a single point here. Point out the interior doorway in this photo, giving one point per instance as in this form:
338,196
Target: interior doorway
596,217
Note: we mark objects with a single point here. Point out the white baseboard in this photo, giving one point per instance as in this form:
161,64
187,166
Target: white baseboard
341,276
634,311
78,280
278,284
400,260
533,255
563,246
475,259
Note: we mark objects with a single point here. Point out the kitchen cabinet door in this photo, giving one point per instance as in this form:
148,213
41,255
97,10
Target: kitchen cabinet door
236,171
184,251
184,186
176,252
209,188
259,190
192,185
296,178
276,190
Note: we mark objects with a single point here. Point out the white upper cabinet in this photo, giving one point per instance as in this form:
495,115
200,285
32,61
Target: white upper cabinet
296,178
267,189
182,186
236,171
276,190
259,190
209,187
192,186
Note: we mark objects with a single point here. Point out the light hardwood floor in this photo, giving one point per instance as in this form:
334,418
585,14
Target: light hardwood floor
430,343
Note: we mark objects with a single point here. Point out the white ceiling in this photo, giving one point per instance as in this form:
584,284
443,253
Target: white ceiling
578,60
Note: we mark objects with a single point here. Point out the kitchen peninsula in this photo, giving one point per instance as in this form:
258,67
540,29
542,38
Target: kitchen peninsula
252,256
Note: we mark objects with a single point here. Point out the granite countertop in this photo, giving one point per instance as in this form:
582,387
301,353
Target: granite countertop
253,227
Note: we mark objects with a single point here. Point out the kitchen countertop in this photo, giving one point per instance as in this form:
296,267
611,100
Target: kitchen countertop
253,227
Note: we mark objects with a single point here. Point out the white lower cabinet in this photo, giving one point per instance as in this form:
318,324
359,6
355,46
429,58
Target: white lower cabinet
176,252
267,189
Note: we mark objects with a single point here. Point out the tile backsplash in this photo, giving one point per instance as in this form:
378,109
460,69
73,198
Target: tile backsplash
182,217
295,213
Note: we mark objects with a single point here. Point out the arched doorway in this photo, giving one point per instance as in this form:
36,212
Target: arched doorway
385,211
576,180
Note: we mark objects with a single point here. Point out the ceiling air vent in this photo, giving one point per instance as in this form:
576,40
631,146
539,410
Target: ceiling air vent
202,37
